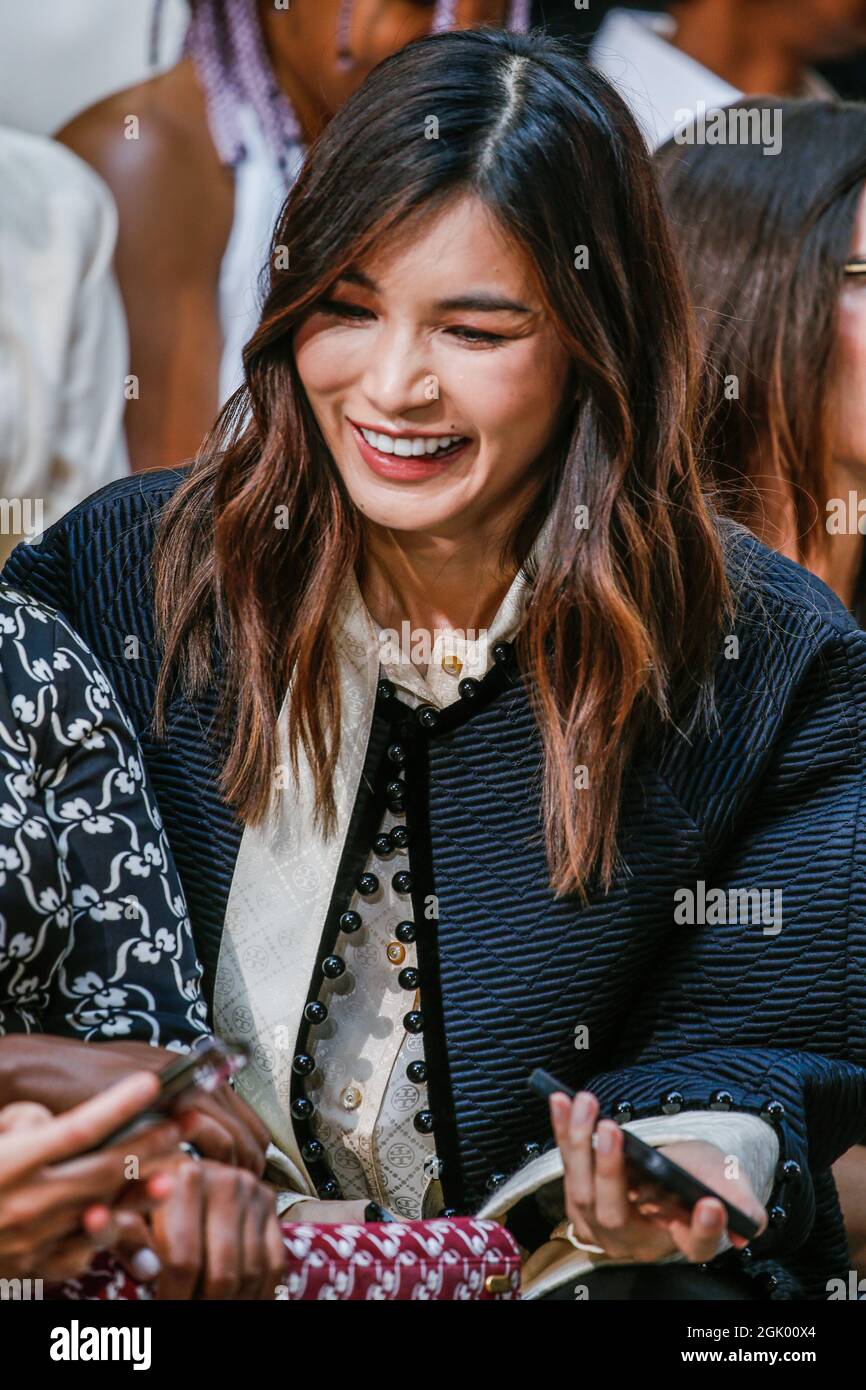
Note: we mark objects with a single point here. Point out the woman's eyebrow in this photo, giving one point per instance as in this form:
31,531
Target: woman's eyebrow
479,301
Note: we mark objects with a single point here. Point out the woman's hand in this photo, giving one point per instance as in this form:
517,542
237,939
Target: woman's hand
217,1236
54,1205
59,1072
643,1223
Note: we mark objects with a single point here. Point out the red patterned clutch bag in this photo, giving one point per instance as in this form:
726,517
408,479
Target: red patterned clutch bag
459,1258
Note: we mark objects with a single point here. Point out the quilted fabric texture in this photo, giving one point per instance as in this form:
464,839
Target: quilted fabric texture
393,1262
615,995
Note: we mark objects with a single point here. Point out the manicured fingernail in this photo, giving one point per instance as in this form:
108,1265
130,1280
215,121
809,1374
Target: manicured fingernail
708,1216
145,1264
604,1143
160,1186
96,1219
581,1108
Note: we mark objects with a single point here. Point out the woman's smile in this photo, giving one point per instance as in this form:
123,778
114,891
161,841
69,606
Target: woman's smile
408,457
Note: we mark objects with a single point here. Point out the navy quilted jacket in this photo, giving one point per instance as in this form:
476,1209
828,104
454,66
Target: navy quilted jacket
679,1015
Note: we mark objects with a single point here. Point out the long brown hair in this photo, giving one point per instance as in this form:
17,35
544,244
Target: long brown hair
763,241
620,627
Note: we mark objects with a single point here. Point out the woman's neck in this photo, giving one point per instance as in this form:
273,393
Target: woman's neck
838,558
726,40
310,110
431,582
840,561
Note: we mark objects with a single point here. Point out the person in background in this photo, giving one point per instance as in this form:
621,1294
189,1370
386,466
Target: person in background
220,139
712,51
63,346
60,1204
775,255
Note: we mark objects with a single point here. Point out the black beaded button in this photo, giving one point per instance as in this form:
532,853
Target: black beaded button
314,1012
721,1100
312,1151
400,837
329,1190
672,1102
427,716
773,1110
788,1170
408,978
303,1064
468,688
395,796
397,754
382,844
405,932
530,1149
302,1108
777,1216
367,884
417,1071
448,1211
501,652
333,967
496,1180
402,882
385,690
413,1021
350,922
623,1111
423,1121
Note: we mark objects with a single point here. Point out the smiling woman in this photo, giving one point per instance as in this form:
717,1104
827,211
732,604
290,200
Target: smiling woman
414,878
404,365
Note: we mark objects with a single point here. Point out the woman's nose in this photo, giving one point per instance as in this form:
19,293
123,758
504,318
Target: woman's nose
399,378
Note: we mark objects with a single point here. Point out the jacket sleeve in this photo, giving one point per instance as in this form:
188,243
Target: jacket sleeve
103,948
758,1003
817,1106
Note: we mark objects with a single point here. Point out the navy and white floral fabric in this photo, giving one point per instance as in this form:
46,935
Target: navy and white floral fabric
95,940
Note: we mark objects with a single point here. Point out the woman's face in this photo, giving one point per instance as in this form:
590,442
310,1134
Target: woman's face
848,391
442,337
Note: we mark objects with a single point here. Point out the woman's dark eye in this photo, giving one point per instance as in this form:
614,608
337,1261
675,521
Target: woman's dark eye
342,310
476,335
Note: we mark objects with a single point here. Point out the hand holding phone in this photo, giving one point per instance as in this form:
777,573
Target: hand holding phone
644,1163
205,1067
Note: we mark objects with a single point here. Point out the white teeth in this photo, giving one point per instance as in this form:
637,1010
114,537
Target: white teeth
409,446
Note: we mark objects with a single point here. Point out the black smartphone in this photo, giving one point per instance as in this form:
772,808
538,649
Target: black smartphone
205,1067
646,1162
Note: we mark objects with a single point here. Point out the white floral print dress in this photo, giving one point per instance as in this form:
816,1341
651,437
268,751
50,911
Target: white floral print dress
95,940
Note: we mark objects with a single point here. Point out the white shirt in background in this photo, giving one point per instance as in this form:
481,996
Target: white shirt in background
633,51
63,342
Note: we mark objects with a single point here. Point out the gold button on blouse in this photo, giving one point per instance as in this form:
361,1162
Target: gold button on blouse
396,953
351,1097
452,664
